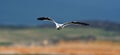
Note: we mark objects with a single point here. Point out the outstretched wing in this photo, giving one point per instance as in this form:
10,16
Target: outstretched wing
75,22
46,19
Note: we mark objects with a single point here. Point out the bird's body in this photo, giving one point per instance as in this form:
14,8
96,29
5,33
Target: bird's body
60,26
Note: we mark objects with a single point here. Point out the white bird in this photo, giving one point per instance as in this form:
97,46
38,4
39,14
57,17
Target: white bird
60,26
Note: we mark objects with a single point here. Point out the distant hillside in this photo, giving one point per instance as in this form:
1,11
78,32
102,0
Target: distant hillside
106,25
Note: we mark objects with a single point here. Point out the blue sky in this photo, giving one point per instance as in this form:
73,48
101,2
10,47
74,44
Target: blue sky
26,11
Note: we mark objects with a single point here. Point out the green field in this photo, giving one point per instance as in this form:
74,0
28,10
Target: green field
38,34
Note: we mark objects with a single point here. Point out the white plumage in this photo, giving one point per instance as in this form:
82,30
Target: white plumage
60,26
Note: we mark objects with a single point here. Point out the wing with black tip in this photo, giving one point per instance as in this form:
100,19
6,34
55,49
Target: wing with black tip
75,23
44,18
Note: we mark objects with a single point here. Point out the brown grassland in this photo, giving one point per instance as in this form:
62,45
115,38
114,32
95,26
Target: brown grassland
71,48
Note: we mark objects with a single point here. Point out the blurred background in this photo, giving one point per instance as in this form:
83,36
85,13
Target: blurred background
19,26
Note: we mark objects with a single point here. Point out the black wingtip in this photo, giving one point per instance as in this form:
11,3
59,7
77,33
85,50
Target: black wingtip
42,18
86,24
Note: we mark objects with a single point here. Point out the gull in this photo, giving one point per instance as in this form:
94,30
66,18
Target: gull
61,26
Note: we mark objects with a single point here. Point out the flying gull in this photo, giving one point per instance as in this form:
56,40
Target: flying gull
60,26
